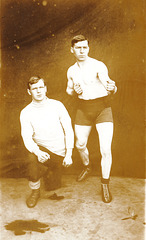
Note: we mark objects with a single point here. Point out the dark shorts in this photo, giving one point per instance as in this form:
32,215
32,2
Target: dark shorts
36,169
94,111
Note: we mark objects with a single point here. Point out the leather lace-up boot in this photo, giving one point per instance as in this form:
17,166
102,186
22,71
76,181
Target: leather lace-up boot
33,198
84,173
106,195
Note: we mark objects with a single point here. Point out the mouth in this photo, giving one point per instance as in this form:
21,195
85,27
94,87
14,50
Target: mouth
82,56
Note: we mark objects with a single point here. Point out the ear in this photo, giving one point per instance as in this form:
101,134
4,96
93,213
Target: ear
28,91
71,49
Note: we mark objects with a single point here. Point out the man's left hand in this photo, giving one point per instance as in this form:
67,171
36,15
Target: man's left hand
67,161
111,86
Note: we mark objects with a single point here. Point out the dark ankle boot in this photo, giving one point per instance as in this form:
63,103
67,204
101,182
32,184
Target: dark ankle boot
84,173
106,195
33,198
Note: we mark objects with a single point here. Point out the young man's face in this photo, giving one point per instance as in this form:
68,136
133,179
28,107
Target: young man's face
80,50
38,91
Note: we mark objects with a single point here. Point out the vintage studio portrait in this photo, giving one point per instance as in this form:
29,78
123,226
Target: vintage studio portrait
72,79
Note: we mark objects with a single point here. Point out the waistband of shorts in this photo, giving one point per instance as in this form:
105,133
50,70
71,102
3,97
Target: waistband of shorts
95,100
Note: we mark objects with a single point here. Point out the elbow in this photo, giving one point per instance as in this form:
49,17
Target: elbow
69,91
115,90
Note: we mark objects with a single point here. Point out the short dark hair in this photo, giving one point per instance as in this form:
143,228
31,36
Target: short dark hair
78,38
34,80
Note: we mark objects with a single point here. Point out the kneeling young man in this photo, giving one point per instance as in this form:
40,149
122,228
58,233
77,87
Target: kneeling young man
48,136
88,78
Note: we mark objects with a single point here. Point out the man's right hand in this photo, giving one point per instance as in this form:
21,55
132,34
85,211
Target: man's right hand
43,156
78,88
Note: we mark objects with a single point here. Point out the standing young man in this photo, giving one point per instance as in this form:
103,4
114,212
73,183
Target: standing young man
88,78
47,134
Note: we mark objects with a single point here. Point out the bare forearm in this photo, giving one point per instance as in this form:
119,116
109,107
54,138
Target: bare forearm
69,152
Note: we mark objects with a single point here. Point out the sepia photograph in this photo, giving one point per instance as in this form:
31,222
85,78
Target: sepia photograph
72,112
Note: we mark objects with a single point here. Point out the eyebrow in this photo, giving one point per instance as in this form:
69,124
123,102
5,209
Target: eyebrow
37,87
81,46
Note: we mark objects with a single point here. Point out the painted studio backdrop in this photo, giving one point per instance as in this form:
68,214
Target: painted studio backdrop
35,40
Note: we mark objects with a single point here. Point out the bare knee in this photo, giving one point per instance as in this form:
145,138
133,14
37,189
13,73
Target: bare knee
105,153
80,145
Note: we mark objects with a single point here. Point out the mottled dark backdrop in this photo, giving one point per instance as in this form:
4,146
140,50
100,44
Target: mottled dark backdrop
35,40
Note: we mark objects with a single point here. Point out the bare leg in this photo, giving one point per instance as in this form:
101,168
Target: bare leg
105,131
82,134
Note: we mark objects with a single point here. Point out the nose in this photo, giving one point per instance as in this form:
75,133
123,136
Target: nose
81,49
38,90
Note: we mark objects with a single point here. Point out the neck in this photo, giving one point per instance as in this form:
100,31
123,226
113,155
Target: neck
82,63
39,102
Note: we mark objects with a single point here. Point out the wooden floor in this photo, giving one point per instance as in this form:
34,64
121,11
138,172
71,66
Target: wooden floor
80,215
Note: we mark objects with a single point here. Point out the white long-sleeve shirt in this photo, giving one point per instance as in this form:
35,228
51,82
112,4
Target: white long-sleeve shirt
47,124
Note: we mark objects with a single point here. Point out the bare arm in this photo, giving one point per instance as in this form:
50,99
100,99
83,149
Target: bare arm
70,84
70,87
73,88
109,84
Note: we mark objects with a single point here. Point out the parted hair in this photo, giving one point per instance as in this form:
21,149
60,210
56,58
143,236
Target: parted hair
78,38
34,80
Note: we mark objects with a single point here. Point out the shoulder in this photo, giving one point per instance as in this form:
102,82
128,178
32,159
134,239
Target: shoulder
27,108
96,62
72,68
55,103
58,107
100,66
26,111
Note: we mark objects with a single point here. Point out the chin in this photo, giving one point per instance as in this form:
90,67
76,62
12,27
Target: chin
82,58
40,99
